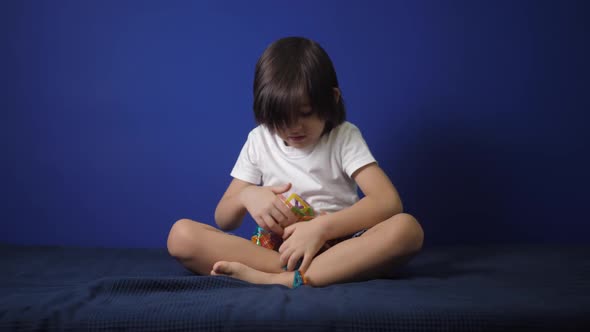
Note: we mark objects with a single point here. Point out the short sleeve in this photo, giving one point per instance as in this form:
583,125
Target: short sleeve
355,152
246,167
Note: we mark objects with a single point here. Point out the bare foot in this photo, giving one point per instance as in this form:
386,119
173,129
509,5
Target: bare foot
243,272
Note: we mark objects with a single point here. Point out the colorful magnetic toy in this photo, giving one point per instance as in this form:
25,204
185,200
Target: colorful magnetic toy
299,207
267,239
273,241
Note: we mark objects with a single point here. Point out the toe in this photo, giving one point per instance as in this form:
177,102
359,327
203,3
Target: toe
221,267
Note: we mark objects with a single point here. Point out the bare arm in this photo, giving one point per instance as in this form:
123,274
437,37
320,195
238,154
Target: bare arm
230,211
381,201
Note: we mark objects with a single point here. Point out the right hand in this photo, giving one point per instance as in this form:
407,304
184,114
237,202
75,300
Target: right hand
267,208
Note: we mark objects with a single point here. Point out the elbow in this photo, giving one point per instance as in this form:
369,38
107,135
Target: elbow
221,221
393,203
396,207
218,221
227,222
399,206
224,225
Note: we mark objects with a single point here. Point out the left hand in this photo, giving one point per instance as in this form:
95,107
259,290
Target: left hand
302,240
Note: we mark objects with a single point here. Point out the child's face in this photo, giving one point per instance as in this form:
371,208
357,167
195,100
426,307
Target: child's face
305,131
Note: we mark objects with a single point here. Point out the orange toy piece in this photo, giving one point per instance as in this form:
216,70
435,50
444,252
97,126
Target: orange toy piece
266,239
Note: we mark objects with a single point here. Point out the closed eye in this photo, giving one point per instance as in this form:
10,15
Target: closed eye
306,113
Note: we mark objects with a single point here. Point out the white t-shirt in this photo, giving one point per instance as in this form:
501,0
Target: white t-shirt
320,174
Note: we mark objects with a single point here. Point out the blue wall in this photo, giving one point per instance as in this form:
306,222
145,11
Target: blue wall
120,117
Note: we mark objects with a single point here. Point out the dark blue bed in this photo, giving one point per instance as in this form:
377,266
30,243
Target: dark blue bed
463,288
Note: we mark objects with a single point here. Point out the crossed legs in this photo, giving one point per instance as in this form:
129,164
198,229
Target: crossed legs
206,250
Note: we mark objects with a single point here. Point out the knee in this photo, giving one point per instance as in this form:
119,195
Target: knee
413,232
180,238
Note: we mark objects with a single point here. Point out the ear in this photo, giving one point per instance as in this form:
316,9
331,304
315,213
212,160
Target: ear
337,95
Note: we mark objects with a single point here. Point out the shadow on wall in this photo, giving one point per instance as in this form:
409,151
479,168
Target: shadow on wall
454,178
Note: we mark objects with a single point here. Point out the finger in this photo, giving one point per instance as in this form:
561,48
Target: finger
306,262
272,225
284,258
278,217
281,188
284,246
261,223
293,259
290,216
288,231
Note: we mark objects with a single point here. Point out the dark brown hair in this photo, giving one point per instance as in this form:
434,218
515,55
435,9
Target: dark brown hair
290,71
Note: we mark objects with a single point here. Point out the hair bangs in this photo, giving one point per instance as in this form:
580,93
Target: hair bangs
280,102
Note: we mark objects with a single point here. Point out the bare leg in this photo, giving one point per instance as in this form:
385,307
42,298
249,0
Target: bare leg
198,246
243,272
384,247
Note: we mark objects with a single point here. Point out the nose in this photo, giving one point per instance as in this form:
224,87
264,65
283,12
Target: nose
296,125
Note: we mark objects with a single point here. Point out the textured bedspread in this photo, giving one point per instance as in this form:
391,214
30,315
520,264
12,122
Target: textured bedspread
534,288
